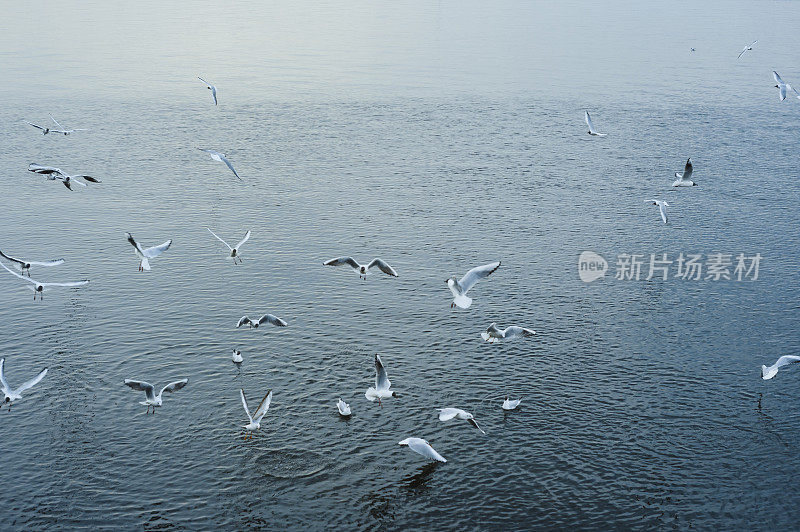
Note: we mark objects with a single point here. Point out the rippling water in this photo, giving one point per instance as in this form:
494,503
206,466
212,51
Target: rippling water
438,136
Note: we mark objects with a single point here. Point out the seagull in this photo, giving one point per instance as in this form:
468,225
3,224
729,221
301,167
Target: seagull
237,357
746,48
153,400
462,286
344,408
269,318
446,414
210,87
24,265
360,268
592,130
662,205
509,404
235,250
420,446
146,254
14,395
217,156
769,372
782,86
39,288
258,415
54,173
493,334
382,384
691,49
683,178
45,130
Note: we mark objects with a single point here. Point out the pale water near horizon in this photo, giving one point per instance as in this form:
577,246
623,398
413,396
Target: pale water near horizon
438,136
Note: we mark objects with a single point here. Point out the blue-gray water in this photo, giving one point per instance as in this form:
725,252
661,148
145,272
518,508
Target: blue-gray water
438,136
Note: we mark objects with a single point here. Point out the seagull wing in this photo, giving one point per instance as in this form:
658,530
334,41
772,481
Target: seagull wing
782,91
420,446
174,386
687,169
34,125
12,259
12,272
32,382
242,321
70,284
142,386
204,81
228,163
155,251
244,404
56,121
382,266
381,378
514,331
663,208
588,121
778,79
214,94
475,424
134,243
245,239
263,406
46,263
446,414
272,320
476,274
341,261
3,382
218,238
786,360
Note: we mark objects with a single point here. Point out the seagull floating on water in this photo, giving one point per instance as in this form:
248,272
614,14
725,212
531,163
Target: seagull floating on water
221,157
210,87
446,414
382,384
12,395
25,265
592,130
39,287
234,251
151,399
361,269
258,415
420,446
662,206
746,48
510,404
460,287
145,255
493,334
683,177
344,408
237,357
52,173
58,129
268,318
769,372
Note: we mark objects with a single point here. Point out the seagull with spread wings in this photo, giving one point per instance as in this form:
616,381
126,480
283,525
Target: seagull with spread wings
746,48
221,157
256,417
39,287
52,173
210,87
382,384
662,206
266,318
460,287
25,265
146,255
362,269
494,334
446,414
14,394
234,251
769,372
151,399
683,177
420,446
592,131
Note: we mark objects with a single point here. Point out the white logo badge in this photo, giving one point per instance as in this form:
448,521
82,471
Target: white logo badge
591,266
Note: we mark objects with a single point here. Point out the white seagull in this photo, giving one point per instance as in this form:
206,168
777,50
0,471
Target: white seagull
234,251
746,48
237,357
221,157
151,399
420,446
268,318
210,87
493,334
145,255
446,414
782,86
52,173
24,265
344,408
38,287
258,415
592,130
510,404
382,384
58,129
12,395
683,177
460,287
361,269
662,206
769,372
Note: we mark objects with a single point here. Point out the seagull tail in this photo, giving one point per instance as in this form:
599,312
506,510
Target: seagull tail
146,264
462,301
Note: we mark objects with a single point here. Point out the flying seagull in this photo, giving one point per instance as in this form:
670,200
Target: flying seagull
24,265
446,414
460,287
12,395
361,269
344,408
592,130
210,87
510,404
683,177
769,372
151,399
662,206
146,254
52,173
782,86
268,318
420,446
746,48
237,357
493,334
58,129
217,156
258,415
382,384
39,288
234,251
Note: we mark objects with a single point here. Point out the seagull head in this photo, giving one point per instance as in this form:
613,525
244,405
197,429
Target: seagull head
39,288
395,394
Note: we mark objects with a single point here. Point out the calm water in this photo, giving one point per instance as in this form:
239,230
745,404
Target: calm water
438,136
